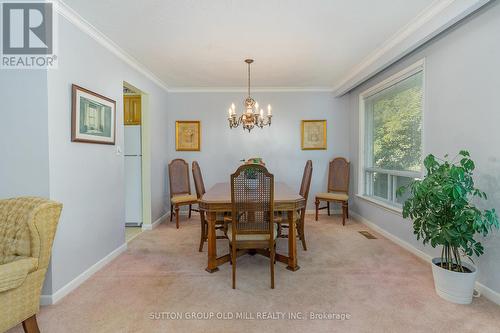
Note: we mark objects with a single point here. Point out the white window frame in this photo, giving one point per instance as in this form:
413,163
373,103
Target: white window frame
419,66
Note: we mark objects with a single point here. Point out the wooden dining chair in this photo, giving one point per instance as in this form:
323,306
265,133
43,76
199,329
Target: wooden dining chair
180,189
301,214
338,187
252,201
220,223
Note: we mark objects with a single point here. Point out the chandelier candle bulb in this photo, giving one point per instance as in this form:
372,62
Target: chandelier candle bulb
268,109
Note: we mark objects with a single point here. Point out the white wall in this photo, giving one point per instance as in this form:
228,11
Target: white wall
89,178
462,89
24,160
222,148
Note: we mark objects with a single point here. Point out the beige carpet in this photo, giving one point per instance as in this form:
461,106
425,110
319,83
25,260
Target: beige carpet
375,284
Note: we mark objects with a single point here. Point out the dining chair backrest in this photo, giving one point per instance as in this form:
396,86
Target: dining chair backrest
306,180
252,199
198,180
178,174
338,175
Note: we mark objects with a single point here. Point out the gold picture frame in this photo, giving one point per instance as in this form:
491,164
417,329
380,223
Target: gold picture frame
313,135
187,135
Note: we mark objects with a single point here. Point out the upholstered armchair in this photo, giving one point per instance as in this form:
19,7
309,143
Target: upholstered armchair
27,229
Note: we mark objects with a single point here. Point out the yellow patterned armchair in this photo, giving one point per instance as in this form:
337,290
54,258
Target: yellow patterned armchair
27,229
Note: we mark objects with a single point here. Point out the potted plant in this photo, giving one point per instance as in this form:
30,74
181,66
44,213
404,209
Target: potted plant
443,213
251,173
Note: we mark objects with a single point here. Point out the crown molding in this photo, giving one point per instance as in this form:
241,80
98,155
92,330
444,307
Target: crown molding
73,17
435,19
245,89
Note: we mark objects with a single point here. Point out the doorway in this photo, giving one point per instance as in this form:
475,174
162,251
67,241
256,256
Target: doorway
136,161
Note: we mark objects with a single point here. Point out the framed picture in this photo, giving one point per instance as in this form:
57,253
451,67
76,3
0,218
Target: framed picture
187,135
313,134
93,117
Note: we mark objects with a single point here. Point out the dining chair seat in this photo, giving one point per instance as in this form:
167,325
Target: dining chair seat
251,237
184,198
333,196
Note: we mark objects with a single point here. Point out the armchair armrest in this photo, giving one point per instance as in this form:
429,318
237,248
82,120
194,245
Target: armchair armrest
13,274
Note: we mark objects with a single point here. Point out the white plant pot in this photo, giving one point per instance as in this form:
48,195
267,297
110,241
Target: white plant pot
455,287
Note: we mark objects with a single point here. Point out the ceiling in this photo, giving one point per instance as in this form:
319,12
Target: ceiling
193,44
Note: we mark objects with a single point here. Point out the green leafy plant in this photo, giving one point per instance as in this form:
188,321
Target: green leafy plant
251,173
442,211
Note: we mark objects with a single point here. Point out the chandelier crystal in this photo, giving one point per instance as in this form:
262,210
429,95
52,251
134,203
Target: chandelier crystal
253,116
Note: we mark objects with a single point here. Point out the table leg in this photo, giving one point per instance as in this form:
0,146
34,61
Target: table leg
292,242
212,243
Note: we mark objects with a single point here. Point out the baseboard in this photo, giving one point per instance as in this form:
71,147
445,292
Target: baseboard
485,291
488,293
76,282
156,223
46,299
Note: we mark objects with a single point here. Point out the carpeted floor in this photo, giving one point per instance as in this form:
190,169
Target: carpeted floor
371,285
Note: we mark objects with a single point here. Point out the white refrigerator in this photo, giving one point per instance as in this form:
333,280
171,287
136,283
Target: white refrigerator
133,176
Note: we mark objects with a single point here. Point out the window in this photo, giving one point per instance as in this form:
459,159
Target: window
391,123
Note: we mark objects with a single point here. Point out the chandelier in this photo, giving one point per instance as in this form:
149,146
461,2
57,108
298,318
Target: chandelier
252,116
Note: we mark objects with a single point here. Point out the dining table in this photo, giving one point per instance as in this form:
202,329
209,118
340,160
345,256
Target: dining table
218,200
